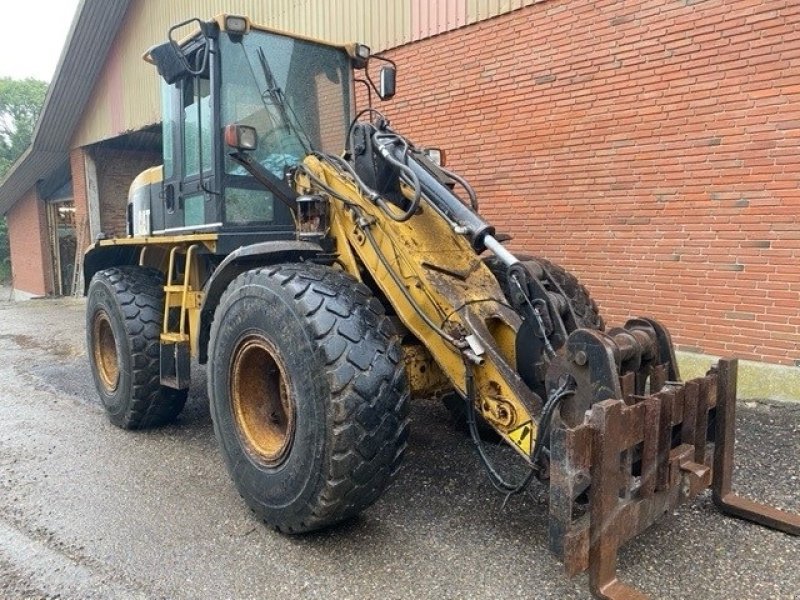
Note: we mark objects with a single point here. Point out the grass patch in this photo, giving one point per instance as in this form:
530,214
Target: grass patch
5,271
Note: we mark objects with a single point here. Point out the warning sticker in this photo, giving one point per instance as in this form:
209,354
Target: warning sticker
522,436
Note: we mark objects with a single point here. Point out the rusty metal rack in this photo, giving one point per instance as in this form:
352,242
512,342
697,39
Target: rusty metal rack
639,458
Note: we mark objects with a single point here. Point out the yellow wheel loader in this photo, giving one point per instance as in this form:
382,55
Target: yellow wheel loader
327,270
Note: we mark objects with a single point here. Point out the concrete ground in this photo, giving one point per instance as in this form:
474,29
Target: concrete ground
89,511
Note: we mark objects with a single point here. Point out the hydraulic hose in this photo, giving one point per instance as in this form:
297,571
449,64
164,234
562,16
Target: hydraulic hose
436,192
401,163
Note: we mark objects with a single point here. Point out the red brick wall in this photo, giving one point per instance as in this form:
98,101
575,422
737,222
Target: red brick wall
30,250
116,170
651,146
79,193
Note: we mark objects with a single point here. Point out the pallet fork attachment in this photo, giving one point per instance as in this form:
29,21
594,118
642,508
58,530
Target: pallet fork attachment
640,458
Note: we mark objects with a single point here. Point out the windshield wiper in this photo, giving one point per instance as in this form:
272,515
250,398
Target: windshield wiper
279,100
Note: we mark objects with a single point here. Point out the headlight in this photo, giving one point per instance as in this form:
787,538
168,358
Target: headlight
435,155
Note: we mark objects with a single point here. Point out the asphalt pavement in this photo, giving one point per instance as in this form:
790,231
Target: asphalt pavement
90,511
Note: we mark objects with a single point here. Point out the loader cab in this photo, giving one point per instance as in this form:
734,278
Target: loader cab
296,94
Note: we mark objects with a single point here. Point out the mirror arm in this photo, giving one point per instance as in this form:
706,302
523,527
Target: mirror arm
203,29
384,59
369,90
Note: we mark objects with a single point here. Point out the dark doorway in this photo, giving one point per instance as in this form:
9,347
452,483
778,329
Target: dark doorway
63,244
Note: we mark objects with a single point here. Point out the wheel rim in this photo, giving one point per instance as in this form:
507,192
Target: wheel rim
262,406
105,351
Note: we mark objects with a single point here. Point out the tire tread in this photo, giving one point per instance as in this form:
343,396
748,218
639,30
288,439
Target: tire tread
369,402
139,293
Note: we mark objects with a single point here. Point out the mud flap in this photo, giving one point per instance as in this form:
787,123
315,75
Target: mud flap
175,365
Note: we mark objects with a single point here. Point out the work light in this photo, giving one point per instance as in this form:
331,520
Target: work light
237,25
362,51
241,137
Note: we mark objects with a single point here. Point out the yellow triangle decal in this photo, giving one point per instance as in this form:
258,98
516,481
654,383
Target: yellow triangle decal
522,436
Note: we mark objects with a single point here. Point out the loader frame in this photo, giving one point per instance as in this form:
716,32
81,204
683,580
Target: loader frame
685,439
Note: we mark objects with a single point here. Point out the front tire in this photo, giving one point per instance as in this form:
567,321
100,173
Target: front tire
124,312
308,394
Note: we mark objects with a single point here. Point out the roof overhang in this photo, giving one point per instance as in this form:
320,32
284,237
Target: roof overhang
91,35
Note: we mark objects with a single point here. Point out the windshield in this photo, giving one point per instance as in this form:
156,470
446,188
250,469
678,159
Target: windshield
295,93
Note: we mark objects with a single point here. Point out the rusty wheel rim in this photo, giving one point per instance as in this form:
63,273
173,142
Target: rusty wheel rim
262,407
105,351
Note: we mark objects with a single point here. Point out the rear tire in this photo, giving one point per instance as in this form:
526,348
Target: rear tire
557,280
308,394
124,313
457,407
582,303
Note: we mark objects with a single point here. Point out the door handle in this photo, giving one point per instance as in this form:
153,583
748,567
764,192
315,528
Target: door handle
169,197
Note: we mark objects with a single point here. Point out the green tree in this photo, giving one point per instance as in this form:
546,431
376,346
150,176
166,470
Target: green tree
20,104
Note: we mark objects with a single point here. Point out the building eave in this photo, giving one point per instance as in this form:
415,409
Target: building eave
90,38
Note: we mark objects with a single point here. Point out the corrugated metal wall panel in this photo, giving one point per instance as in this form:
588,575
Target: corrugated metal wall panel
479,10
431,18
127,95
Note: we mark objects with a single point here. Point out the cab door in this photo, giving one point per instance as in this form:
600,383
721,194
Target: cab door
188,198
165,209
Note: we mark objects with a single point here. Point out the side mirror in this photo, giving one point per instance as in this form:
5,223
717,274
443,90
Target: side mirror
169,58
241,137
169,61
388,79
